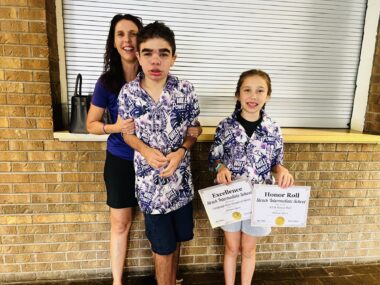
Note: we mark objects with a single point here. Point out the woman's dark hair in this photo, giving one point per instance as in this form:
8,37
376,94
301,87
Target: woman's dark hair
248,73
113,74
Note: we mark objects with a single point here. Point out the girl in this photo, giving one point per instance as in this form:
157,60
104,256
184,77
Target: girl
248,143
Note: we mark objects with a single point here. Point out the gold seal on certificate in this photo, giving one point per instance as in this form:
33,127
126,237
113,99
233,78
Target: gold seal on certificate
236,216
280,221
277,207
226,204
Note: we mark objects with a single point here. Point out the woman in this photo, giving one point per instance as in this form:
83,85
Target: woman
120,66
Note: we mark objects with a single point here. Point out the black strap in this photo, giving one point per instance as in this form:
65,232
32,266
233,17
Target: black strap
79,79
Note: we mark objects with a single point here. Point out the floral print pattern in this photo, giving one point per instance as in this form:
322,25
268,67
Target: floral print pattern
252,157
161,125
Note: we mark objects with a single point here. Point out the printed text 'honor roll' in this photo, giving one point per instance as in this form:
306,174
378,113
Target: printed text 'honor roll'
278,207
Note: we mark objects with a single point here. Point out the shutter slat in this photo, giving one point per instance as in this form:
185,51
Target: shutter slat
310,49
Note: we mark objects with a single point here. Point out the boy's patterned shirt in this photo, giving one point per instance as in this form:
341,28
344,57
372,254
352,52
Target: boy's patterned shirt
244,156
163,126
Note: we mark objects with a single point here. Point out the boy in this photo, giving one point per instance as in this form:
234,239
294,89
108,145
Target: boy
163,107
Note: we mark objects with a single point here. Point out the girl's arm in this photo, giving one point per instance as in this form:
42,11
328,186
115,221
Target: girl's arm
223,174
96,126
283,177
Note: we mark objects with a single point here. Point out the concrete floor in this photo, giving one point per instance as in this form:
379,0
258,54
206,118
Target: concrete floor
365,274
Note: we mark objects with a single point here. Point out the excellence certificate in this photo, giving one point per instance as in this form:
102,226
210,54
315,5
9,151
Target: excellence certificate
277,207
226,204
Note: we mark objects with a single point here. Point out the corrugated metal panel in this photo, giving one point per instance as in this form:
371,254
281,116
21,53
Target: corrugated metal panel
310,48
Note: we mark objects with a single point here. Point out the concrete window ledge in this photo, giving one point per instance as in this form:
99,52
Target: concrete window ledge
66,136
291,135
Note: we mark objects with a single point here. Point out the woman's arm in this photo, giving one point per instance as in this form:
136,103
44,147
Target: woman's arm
195,131
96,126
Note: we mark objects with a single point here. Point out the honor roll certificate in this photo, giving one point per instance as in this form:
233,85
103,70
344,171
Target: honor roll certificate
226,204
280,207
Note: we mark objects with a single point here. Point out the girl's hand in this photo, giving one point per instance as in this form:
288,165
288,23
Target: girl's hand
194,131
223,175
283,177
125,126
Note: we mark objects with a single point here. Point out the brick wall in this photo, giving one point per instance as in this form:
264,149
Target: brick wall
372,118
54,223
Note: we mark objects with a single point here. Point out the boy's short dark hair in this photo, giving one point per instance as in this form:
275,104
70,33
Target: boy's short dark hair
156,30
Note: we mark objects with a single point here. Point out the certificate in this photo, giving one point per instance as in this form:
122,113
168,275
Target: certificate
277,207
226,204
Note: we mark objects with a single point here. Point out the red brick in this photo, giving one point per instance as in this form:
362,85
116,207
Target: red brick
32,14
20,99
40,134
13,134
14,178
11,87
26,145
19,75
15,3
37,3
37,27
40,64
40,52
10,63
30,188
22,123
41,76
9,38
14,26
8,13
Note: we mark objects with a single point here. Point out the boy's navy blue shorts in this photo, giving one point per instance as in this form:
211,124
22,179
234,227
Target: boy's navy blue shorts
165,230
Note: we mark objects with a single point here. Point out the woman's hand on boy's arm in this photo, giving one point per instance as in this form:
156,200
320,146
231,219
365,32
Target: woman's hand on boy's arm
124,126
223,176
283,177
194,131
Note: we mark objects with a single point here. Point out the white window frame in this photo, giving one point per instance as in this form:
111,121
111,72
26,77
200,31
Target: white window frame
365,66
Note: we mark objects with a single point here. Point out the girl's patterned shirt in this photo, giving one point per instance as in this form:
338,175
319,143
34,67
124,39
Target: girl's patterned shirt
244,156
163,126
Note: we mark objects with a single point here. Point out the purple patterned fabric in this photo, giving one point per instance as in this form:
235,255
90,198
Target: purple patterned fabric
163,126
252,157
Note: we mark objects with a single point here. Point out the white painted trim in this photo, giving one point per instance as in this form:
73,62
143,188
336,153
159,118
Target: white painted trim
365,65
65,136
62,60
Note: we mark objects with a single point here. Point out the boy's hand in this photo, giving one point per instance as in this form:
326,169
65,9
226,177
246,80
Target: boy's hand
125,126
154,157
223,176
283,177
174,158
